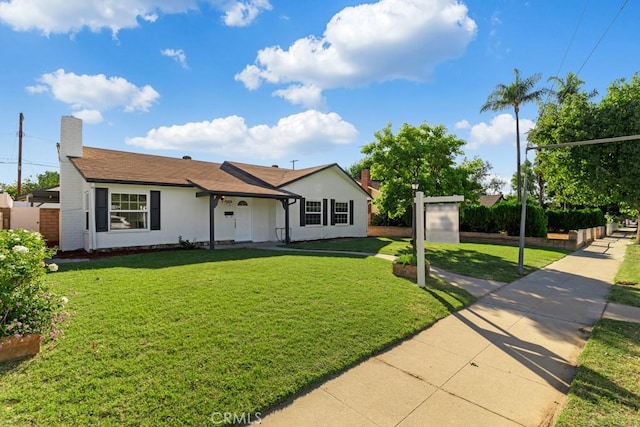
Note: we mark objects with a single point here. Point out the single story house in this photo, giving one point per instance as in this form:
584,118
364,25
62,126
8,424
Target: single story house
115,199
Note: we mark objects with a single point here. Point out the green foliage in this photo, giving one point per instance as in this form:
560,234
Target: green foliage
504,217
533,190
355,169
43,181
575,219
478,219
521,91
606,390
423,153
507,216
593,175
27,303
167,338
382,219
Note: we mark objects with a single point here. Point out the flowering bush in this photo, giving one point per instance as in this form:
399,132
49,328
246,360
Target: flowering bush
27,303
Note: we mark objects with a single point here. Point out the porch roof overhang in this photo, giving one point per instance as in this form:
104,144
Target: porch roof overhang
240,189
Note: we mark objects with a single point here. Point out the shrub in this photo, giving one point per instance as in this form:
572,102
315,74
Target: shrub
478,219
507,219
575,219
27,303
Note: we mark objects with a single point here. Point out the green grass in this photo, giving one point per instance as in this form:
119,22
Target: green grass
371,245
606,389
627,287
170,338
494,262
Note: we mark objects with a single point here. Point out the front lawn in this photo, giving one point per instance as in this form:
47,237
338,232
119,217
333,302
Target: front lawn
627,287
494,262
606,389
176,338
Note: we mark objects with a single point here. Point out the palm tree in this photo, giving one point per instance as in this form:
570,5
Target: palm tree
570,85
521,91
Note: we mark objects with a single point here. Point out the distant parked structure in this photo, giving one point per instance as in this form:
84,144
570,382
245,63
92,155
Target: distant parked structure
491,200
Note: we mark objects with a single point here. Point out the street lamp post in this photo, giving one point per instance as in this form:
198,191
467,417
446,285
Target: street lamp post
414,187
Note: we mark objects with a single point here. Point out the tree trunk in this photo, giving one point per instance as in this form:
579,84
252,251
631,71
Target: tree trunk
638,229
541,190
519,175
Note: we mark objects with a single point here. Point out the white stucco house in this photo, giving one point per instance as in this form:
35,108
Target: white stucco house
116,199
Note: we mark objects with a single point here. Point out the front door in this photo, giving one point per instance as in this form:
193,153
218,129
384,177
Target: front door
243,221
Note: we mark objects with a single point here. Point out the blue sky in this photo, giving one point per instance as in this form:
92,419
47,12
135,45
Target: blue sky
268,81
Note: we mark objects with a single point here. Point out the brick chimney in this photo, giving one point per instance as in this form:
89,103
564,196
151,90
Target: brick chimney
365,179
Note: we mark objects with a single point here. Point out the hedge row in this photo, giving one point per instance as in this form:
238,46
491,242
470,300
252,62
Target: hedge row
563,221
503,217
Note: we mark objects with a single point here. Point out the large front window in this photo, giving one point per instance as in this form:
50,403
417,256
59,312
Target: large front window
313,213
128,211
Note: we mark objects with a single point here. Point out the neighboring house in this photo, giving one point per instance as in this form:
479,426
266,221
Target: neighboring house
490,200
47,198
371,187
115,199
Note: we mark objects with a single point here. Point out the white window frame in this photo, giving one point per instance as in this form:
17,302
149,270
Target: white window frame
308,212
344,213
144,210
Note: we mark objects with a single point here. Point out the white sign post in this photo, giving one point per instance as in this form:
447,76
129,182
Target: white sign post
419,201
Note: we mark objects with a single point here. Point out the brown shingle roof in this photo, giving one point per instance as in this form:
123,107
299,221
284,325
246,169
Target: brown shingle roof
277,176
102,165
490,200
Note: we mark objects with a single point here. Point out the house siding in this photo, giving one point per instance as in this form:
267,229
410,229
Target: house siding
182,214
328,184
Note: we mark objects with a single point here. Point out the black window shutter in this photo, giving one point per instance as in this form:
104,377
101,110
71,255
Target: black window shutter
333,211
303,206
102,209
154,221
324,211
350,212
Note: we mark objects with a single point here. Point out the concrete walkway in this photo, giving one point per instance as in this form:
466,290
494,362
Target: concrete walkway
507,360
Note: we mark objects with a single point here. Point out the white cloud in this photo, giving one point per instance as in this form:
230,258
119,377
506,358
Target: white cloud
37,89
73,16
390,39
177,54
95,92
501,130
463,124
89,116
243,13
310,95
303,133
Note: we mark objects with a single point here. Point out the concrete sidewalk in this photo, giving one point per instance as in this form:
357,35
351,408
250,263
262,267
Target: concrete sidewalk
507,360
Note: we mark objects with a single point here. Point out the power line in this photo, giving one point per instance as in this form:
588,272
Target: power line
587,142
624,3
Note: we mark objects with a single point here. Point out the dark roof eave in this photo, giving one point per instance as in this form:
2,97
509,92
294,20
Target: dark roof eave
252,195
130,182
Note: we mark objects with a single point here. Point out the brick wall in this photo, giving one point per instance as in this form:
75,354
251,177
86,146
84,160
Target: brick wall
50,226
378,231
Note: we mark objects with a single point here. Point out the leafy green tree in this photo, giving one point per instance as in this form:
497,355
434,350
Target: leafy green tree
480,174
520,91
570,85
599,174
532,181
421,153
355,169
47,179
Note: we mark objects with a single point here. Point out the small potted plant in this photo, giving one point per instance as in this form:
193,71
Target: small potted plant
406,265
29,309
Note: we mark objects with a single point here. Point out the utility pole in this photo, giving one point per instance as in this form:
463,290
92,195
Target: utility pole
19,189
293,164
